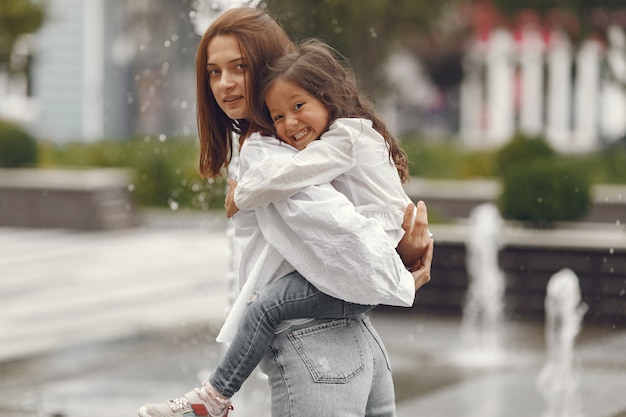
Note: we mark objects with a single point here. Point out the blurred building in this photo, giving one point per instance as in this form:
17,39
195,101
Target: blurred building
532,79
118,68
106,69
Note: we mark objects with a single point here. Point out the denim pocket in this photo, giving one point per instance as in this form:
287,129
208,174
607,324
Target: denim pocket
331,351
379,342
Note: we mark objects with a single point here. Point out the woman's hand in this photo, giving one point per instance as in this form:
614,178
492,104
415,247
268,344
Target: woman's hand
229,203
417,238
421,270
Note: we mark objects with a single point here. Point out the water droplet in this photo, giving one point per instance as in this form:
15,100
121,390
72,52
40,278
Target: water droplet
617,222
167,43
131,187
622,292
611,251
162,137
173,205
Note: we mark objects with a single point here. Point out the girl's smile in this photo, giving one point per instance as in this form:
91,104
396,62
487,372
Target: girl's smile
299,118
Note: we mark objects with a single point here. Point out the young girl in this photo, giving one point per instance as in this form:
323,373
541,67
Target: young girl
283,299
312,94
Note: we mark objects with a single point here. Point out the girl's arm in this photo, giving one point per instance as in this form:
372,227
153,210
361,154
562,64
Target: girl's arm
279,177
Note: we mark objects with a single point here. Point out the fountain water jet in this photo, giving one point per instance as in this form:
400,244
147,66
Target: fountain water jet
482,311
564,314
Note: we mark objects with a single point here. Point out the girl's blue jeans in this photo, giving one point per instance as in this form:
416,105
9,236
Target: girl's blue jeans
290,297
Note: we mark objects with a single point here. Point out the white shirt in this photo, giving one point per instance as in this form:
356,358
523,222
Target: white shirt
351,155
319,233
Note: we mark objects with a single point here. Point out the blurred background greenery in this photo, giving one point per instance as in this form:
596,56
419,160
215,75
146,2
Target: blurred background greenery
166,174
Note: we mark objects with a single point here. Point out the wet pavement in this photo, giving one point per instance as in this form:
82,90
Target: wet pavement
97,323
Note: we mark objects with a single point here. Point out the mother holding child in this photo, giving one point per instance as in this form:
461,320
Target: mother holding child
325,229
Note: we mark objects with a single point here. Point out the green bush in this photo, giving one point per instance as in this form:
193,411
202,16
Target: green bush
17,147
521,149
166,175
611,163
165,170
445,159
544,191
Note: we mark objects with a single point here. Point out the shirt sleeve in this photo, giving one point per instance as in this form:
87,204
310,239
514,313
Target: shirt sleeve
278,177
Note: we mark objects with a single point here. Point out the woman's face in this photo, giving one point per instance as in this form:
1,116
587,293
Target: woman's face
227,68
299,118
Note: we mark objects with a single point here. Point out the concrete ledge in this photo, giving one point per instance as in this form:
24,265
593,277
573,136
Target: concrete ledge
64,198
455,199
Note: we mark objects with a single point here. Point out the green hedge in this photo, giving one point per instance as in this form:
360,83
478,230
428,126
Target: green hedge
17,147
520,150
165,170
166,173
544,191
540,188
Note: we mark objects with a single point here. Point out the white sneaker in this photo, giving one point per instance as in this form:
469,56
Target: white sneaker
189,405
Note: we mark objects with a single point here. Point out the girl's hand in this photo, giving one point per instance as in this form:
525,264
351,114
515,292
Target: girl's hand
229,203
417,237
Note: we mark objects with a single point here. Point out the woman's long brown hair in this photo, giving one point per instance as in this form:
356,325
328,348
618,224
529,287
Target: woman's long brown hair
262,41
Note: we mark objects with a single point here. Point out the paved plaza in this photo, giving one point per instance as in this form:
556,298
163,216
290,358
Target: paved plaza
97,323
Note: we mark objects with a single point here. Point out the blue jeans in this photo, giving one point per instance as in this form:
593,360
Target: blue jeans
330,368
290,297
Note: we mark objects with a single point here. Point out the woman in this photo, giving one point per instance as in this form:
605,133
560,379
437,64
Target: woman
318,367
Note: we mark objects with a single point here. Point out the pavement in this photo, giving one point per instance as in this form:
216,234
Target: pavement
97,323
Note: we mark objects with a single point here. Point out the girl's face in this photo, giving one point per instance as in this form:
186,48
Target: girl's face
227,68
299,118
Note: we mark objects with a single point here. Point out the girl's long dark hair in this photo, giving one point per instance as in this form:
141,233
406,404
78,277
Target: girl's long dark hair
327,75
